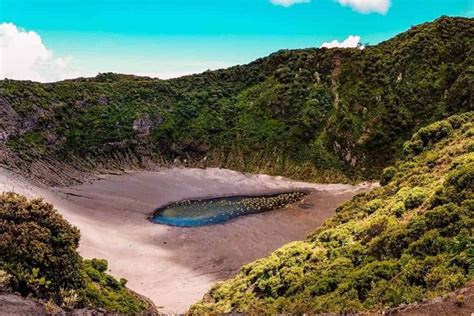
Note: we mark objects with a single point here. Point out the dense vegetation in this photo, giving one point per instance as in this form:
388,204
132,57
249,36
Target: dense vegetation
408,240
314,114
38,254
319,114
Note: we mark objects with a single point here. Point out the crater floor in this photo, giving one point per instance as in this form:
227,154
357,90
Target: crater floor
175,266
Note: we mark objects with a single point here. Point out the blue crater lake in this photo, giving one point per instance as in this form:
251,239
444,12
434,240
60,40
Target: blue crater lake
200,212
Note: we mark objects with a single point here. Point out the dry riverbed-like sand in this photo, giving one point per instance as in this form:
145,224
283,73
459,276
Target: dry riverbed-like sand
175,266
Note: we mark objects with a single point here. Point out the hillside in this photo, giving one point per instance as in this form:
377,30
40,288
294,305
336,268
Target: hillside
408,240
312,114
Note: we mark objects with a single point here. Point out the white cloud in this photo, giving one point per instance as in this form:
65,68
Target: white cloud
350,42
367,6
23,56
362,6
288,3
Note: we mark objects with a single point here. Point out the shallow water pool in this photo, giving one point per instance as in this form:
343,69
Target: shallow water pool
200,212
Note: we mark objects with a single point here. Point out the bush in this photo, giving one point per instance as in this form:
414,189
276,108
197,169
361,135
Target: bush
433,133
414,198
398,209
38,244
460,181
373,206
38,251
99,264
387,175
426,137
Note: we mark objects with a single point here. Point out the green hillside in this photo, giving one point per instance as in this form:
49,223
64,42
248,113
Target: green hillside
401,111
408,240
314,114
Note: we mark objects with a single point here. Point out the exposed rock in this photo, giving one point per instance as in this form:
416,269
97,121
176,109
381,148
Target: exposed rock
13,124
102,100
144,125
317,77
9,121
11,304
123,144
50,137
80,103
3,137
400,77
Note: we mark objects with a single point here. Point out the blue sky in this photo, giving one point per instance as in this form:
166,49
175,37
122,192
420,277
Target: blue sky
168,38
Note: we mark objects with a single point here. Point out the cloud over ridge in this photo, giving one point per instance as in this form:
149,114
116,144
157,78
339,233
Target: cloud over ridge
367,6
23,56
351,41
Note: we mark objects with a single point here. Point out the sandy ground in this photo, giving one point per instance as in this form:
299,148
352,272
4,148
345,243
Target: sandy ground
175,266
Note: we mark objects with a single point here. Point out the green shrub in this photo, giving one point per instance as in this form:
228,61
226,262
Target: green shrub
99,264
387,175
123,282
460,180
373,227
413,147
38,251
434,132
373,205
37,243
398,209
415,197
430,244
104,291
426,137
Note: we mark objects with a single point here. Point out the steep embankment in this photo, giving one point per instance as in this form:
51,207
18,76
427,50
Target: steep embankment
408,240
319,114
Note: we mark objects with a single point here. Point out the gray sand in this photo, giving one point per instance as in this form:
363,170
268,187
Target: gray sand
175,266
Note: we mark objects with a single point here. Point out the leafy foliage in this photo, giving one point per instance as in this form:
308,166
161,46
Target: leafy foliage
38,252
320,114
38,247
405,241
103,290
